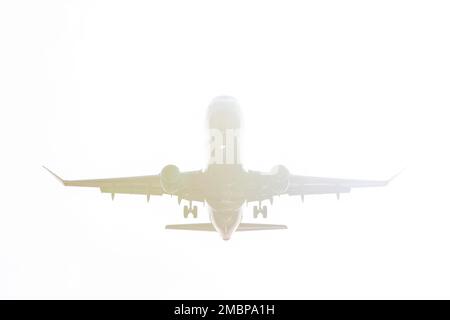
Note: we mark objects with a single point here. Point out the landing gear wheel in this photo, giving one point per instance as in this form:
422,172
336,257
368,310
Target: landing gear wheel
194,212
264,212
259,210
190,209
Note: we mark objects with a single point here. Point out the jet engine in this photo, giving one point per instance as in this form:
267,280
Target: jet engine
170,179
280,179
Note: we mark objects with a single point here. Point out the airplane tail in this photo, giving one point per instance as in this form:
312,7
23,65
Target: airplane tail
210,227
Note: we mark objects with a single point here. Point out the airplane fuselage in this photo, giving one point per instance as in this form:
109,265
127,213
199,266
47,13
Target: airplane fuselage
225,175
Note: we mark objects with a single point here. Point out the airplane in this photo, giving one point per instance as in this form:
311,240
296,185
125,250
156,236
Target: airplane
224,185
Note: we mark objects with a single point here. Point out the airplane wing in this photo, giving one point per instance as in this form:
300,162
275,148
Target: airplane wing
305,185
266,186
146,185
189,189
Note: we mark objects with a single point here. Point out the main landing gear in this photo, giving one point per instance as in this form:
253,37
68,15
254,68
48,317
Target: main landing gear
190,209
259,210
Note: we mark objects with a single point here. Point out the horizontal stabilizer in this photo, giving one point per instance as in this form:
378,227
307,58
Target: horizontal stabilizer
241,227
259,226
193,227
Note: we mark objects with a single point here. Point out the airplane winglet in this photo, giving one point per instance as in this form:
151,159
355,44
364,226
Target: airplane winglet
395,176
55,175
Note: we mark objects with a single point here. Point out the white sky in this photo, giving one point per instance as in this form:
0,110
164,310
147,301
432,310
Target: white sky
114,88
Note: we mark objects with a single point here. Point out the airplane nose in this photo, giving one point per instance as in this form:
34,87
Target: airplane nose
226,233
226,236
225,222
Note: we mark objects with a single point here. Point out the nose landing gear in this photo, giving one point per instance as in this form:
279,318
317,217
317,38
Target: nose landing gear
190,209
260,210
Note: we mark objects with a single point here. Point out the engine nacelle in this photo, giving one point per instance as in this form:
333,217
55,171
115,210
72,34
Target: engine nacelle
280,178
170,179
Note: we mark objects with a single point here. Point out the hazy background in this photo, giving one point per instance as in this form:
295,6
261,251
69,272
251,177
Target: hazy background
115,88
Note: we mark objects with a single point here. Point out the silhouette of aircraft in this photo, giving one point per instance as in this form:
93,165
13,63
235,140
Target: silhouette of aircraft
224,185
